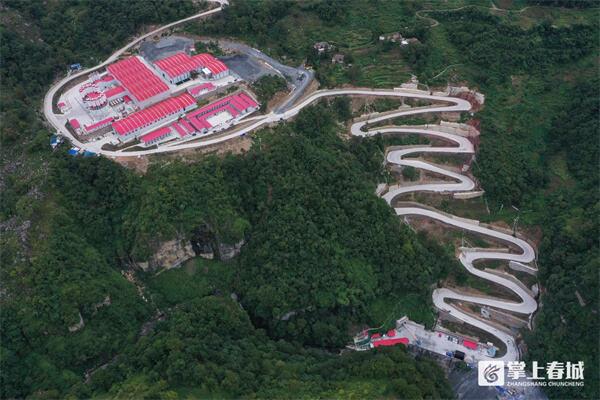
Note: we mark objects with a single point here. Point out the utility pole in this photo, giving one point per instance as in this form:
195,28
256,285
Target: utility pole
516,220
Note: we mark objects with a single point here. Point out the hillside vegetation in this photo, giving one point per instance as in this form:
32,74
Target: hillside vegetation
321,249
72,226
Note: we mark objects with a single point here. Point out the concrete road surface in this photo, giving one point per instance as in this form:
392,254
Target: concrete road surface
467,256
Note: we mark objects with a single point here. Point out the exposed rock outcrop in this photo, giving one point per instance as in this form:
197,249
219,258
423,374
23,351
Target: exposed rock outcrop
207,245
228,251
169,255
78,326
106,302
203,243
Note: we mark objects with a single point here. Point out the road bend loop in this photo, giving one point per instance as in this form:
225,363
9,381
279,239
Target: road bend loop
467,256
462,183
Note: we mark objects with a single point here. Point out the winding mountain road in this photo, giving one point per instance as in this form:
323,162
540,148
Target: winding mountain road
396,157
467,256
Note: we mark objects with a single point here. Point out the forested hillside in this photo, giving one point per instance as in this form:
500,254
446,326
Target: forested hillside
320,246
52,273
539,152
301,200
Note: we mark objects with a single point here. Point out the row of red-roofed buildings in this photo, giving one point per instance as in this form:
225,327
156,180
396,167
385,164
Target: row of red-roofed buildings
208,119
91,128
388,339
179,67
131,78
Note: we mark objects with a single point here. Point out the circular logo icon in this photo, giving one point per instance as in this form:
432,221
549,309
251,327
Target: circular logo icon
490,373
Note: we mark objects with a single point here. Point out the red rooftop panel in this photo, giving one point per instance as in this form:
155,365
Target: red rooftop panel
470,345
390,342
137,78
154,134
198,89
179,129
153,114
93,127
177,64
114,91
74,123
209,61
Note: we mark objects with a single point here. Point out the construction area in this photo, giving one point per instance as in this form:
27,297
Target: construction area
173,95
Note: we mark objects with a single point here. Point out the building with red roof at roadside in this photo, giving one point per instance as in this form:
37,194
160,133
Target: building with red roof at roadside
470,345
211,67
178,67
143,86
140,122
390,342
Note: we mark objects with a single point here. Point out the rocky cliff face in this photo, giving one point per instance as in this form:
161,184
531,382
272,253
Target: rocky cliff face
204,243
169,255
208,245
228,251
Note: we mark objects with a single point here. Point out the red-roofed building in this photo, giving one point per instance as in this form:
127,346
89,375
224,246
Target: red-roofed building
178,67
179,129
63,106
390,342
219,114
210,66
470,345
200,90
157,136
98,125
391,333
104,82
114,93
75,125
140,122
376,336
140,82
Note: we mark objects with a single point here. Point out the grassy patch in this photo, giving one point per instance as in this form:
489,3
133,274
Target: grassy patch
196,278
385,311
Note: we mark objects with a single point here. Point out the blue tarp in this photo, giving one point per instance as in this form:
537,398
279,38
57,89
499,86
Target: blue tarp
73,152
88,153
76,66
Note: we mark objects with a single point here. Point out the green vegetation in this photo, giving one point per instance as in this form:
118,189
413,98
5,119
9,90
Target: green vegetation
539,152
266,87
75,224
410,173
304,203
317,235
58,261
320,247
197,278
209,347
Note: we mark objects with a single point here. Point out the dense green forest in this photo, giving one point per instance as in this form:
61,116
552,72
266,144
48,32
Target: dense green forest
319,244
539,151
266,87
71,226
